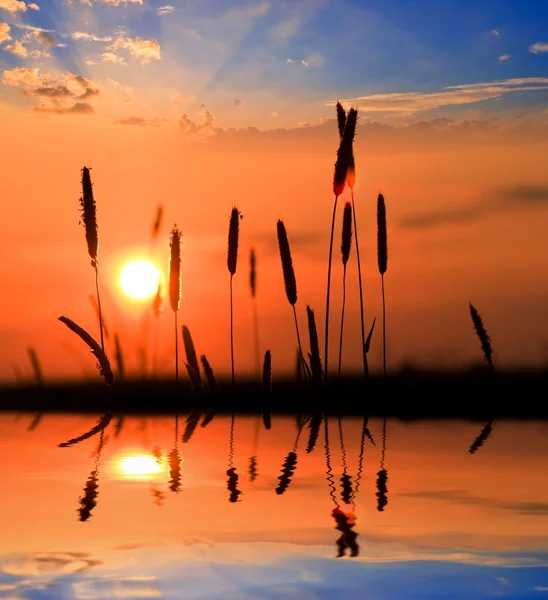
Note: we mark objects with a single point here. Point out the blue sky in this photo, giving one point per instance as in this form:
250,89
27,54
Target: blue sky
268,63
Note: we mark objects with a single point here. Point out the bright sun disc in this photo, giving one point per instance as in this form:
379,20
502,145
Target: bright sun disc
139,279
139,465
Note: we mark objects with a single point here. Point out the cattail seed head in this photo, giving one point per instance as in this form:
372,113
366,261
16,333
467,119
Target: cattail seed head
233,234
175,270
287,264
89,216
344,152
314,354
482,335
382,242
346,242
267,374
341,119
157,221
252,272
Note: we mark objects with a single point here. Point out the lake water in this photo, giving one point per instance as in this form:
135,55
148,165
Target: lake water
137,513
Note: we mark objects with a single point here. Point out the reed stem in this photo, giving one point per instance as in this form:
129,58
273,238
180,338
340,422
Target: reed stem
383,326
99,307
176,350
329,289
342,320
364,352
231,330
299,339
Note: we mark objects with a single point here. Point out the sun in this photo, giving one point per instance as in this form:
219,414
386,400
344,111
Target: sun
139,279
140,466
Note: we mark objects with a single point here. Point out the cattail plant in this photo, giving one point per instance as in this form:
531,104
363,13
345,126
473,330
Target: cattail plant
484,339
157,310
342,163
157,223
95,306
346,479
232,475
89,217
382,260
89,500
351,181
382,475
314,354
290,282
290,464
191,357
253,290
175,286
346,244
232,261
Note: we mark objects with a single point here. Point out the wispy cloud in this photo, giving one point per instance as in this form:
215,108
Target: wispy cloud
504,57
113,58
497,200
191,128
411,102
495,32
538,47
15,6
142,49
138,122
17,48
4,32
165,10
90,37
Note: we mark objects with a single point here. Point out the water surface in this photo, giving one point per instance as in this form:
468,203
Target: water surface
239,512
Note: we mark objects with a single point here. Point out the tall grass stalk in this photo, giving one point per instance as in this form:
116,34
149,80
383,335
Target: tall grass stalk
290,281
382,259
232,261
346,244
253,290
484,338
89,217
344,154
37,369
175,286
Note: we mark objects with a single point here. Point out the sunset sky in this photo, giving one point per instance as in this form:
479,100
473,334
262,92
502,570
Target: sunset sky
203,105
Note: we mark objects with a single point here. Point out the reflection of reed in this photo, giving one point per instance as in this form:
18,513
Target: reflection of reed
365,431
329,470
191,424
482,437
157,496
89,500
36,421
119,425
232,481
346,479
290,465
315,423
253,464
175,461
102,424
382,475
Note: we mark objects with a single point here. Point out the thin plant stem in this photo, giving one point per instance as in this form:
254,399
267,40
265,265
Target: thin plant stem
342,320
231,330
383,326
176,350
329,289
364,353
99,306
299,340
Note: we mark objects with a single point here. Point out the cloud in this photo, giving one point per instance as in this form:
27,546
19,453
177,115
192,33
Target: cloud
138,121
165,10
4,32
304,123
504,57
51,563
116,2
463,497
275,114
17,48
89,37
496,200
495,32
15,6
22,76
287,29
538,47
113,58
59,91
142,49
188,127
80,108
237,102
412,102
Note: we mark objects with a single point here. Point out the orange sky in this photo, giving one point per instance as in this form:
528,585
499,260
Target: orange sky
466,210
